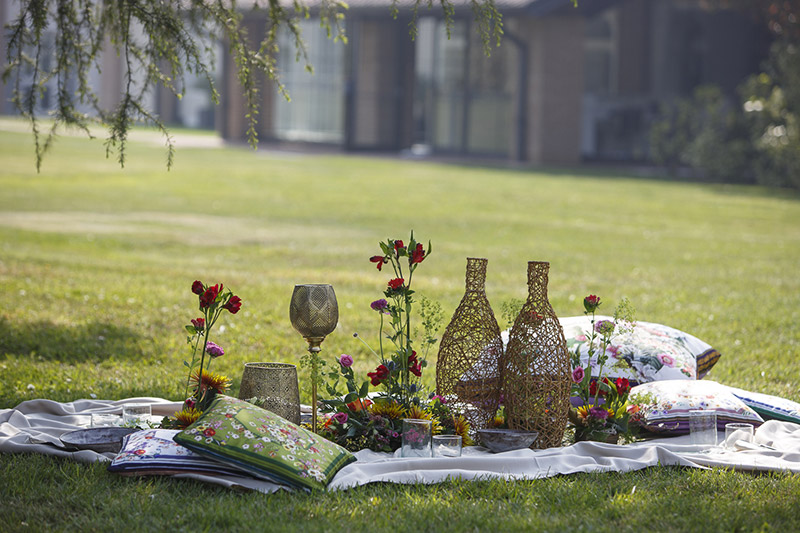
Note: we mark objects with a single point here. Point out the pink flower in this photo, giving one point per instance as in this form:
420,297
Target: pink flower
577,374
604,327
345,360
598,412
214,350
340,417
666,360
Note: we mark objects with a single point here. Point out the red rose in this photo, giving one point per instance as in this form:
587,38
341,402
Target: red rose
413,365
591,303
378,259
197,287
623,386
396,283
379,375
199,323
210,295
234,304
418,255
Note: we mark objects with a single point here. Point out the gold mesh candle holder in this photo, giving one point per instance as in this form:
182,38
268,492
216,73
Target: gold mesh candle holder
314,313
467,369
274,387
535,367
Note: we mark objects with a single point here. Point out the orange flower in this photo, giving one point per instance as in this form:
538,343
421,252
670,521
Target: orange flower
359,404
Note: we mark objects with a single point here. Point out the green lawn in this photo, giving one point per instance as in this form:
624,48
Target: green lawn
97,262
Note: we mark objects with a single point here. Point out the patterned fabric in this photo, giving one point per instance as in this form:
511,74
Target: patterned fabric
665,405
153,452
654,352
769,406
245,436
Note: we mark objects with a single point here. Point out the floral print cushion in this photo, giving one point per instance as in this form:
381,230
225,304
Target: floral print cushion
154,452
663,406
653,352
248,437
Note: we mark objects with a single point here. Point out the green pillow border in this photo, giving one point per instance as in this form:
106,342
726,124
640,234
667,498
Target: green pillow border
259,464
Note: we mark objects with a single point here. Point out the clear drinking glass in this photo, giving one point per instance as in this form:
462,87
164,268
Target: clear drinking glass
100,420
416,438
735,432
136,413
447,445
703,427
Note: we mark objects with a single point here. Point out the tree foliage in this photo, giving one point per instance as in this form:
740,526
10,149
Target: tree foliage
159,43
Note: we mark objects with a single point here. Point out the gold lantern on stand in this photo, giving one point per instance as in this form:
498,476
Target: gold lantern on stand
314,313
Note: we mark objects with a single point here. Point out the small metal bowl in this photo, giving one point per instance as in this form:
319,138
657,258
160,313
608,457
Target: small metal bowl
503,440
100,440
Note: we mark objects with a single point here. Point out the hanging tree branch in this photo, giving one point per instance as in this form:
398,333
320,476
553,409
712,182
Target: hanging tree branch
62,42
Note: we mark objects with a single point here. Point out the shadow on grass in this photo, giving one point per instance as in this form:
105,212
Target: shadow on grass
92,342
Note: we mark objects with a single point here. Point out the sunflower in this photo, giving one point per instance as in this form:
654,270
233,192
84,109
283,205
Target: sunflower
186,417
462,428
415,411
390,410
211,380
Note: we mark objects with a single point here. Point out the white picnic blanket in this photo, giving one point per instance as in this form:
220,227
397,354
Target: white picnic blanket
36,425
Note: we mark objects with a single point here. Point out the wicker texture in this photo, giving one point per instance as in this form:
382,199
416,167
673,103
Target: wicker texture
467,369
535,367
274,387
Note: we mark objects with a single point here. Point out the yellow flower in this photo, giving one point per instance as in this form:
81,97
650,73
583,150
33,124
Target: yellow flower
187,416
415,411
211,380
462,428
390,410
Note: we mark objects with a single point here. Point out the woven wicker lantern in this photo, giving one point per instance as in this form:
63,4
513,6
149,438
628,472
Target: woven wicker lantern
535,367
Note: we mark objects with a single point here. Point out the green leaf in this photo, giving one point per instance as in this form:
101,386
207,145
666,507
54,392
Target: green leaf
351,397
364,389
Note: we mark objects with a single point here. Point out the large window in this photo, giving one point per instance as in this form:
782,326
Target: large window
316,110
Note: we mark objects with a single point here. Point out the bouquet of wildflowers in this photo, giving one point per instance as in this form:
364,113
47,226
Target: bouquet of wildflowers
202,385
358,419
604,410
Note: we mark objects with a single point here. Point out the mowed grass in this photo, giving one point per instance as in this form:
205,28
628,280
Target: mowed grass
97,262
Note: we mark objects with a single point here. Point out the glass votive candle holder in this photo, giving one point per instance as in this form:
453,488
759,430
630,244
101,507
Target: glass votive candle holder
416,440
703,427
101,420
447,445
136,413
735,432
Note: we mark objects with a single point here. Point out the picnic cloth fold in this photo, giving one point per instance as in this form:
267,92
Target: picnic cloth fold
35,427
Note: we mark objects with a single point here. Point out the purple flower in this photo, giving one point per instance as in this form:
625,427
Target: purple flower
604,327
379,305
437,397
577,374
598,412
214,350
345,360
340,417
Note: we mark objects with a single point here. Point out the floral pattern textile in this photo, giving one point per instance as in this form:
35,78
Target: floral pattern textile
654,352
669,403
153,452
251,438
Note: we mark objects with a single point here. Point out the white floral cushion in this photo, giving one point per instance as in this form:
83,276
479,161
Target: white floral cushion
665,405
653,352
153,452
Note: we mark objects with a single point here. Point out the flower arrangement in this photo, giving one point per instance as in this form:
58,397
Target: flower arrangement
604,413
358,419
202,385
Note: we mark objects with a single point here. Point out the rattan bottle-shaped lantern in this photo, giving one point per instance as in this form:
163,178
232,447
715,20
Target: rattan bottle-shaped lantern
467,369
535,366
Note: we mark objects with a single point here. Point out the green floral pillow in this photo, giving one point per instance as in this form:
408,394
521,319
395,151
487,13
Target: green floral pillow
245,436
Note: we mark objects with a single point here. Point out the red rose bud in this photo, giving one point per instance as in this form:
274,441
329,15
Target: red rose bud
396,283
197,287
591,303
233,305
378,259
398,244
199,324
379,375
418,255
